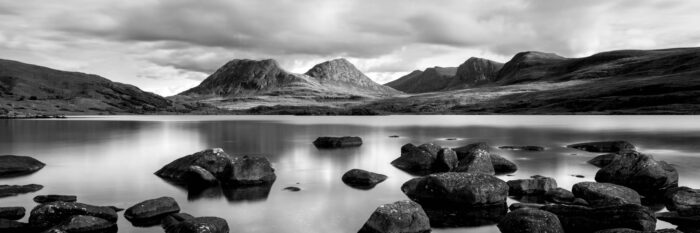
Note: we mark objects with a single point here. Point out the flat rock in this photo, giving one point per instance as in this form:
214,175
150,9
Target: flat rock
582,219
603,160
523,148
47,215
414,159
12,226
215,161
41,199
527,220
457,189
605,194
362,179
150,212
251,170
475,158
12,213
446,160
14,165
536,185
502,165
337,142
87,224
398,217
650,178
604,146
14,190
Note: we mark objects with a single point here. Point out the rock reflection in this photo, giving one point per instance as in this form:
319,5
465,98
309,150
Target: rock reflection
232,193
447,217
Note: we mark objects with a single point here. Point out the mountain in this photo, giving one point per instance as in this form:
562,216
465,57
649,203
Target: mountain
32,89
474,72
340,73
432,79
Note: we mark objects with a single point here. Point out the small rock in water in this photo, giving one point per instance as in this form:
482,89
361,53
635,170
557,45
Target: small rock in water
185,223
523,148
292,189
14,165
578,176
394,136
451,139
359,178
604,146
41,199
14,190
12,213
150,212
337,142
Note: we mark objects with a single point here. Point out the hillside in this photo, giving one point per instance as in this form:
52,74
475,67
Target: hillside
472,73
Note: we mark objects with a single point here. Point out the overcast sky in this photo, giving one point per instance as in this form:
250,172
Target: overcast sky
167,46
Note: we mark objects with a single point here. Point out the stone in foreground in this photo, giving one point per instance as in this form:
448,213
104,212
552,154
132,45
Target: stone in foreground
684,200
650,178
185,223
12,226
88,224
605,194
51,214
398,217
14,190
14,165
580,219
536,185
12,213
529,220
604,146
457,189
337,142
41,199
150,212
362,179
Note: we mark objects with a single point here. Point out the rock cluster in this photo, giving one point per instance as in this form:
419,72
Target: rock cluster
472,158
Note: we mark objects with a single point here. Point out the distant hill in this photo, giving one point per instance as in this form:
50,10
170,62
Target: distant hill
471,73
474,72
32,89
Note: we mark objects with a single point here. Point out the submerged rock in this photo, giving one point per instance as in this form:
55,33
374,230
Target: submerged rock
251,170
292,189
12,226
457,189
414,159
684,200
605,194
523,148
14,190
603,160
41,199
527,220
604,146
502,165
536,185
12,213
398,217
640,172
475,158
362,179
47,215
14,165
150,212
88,224
215,161
584,219
337,142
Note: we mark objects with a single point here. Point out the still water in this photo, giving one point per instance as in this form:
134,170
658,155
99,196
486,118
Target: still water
111,160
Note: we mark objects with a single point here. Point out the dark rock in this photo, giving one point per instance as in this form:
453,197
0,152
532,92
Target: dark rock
14,190
14,165
448,217
398,217
185,223
251,170
502,165
362,179
87,224
150,212
605,194
580,201
475,158
640,172
414,159
12,226
676,219
627,230
528,220
446,160
579,176
337,142
603,160
584,219
171,221
430,148
51,214
292,189
116,209
41,199
197,175
684,200
215,161
457,189
394,136
536,185
520,205
605,146
559,196
523,148
12,213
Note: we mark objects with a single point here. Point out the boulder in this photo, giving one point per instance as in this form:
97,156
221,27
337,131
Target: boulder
87,224
292,189
215,161
12,226
414,159
14,165
684,200
251,170
446,160
527,220
449,217
502,165
523,148
676,219
603,160
536,185
362,179
51,214
584,219
41,199
12,213
640,172
604,146
398,217
559,196
457,189
605,194
430,148
150,212
171,221
199,176
475,158
185,223
14,190
337,142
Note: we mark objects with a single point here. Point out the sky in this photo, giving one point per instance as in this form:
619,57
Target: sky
168,46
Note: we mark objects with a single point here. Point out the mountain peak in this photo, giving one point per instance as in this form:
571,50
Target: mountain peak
343,73
517,68
475,71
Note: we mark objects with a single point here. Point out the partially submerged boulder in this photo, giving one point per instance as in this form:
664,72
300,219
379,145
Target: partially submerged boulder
414,159
12,213
527,220
337,142
197,175
536,185
41,199
457,189
185,223
89,224
640,172
604,146
684,200
251,170
362,179
51,214
502,165
603,160
14,165
215,161
475,158
14,190
605,194
582,219
150,212
398,217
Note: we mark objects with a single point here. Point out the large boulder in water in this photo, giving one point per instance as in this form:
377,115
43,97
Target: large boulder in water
457,189
87,224
475,158
604,146
584,219
215,161
12,213
51,214
250,170
446,160
605,194
150,212
536,185
398,217
502,165
603,160
14,165
13,190
337,142
527,220
414,159
185,223
684,200
359,178
640,172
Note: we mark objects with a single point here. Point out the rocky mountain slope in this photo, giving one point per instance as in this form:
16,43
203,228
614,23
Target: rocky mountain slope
473,72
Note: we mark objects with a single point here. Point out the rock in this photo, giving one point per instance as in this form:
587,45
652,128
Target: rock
430,148
41,199
197,175
447,217
584,219
12,226
292,189
580,201
12,213
627,230
523,148
475,158
537,185
605,146
150,212
51,214
640,172
520,205
171,221
185,223
559,196
14,165
579,176
603,160
87,224
362,179
605,194
446,160
337,142
14,190
457,189
414,159
398,217
528,220
215,161
676,219
116,209
251,170
502,165
684,200
394,136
